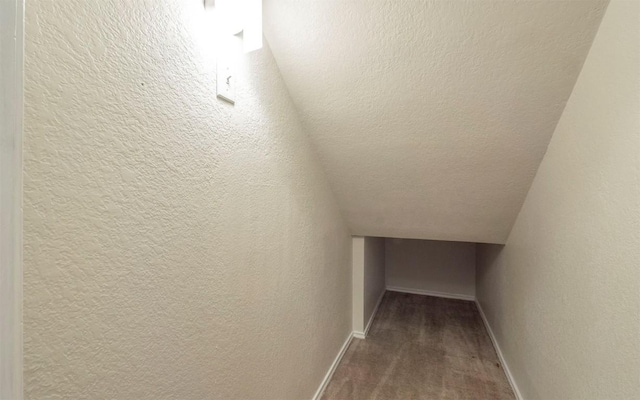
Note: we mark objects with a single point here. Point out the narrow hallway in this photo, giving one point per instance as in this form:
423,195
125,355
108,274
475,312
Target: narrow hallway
421,347
306,200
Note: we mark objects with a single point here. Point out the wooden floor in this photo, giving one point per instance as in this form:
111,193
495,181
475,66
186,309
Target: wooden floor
421,347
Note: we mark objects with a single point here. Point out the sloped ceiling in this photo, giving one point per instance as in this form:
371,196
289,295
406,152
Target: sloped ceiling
431,117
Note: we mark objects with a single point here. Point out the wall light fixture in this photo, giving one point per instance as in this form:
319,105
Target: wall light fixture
234,20
241,18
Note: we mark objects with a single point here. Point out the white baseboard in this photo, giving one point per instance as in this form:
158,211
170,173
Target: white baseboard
358,335
362,335
505,367
431,293
332,368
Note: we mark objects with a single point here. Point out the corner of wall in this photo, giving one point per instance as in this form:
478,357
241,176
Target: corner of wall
11,127
496,345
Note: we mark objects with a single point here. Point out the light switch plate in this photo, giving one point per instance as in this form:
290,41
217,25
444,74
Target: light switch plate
226,81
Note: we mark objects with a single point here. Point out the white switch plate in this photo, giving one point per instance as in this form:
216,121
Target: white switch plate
226,81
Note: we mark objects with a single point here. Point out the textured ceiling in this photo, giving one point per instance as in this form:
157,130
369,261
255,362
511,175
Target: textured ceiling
431,117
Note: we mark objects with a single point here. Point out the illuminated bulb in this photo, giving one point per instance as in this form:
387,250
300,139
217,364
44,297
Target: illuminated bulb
252,34
230,16
239,16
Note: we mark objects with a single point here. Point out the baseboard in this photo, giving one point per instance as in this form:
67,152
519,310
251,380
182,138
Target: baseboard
373,314
362,335
332,368
505,367
431,293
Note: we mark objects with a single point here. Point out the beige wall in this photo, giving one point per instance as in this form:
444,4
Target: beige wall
563,295
439,267
175,246
368,280
11,42
357,279
374,275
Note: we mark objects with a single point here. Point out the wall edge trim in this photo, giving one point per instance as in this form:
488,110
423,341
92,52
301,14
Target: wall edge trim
363,335
11,209
505,366
332,367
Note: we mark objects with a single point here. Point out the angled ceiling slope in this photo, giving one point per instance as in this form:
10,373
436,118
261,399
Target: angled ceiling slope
431,117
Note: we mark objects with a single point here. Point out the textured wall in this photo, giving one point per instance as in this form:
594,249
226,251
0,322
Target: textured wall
563,295
431,117
430,265
175,246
